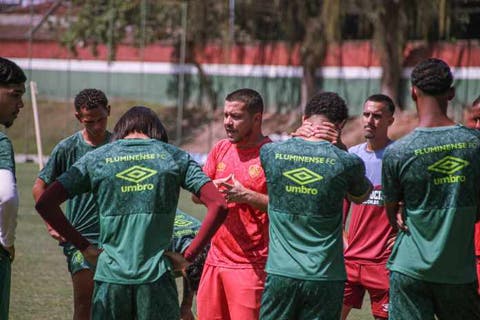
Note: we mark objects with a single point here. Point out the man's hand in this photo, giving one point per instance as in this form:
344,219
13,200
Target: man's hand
327,131
91,254
11,252
54,234
234,191
178,261
186,312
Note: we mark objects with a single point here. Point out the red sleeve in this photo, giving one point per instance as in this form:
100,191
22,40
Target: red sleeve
48,206
216,214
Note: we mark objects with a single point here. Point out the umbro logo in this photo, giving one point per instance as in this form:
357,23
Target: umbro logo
448,165
302,176
136,174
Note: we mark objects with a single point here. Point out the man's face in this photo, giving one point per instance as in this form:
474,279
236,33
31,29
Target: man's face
94,120
376,119
474,118
238,122
10,102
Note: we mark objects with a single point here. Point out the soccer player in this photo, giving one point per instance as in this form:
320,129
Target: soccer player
307,180
136,182
233,277
12,88
474,122
370,237
185,228
91,110
434,171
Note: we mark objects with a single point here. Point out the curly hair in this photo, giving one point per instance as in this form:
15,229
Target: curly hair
432,76
90,99
250,97
329,104
11,73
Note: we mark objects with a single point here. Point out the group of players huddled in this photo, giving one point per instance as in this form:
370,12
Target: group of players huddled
274,242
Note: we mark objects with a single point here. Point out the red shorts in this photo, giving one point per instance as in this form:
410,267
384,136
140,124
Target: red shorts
230,294
372,278
478,273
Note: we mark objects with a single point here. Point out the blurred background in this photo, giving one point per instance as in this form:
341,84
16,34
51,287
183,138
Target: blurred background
182,57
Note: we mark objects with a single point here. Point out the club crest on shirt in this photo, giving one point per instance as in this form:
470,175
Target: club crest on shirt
254,170
221,166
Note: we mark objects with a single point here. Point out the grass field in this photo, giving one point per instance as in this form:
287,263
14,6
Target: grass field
41,286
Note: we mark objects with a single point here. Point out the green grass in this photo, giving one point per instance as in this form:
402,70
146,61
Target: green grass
41,287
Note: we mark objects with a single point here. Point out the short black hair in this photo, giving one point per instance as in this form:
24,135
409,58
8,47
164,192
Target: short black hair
252,99
382,98
433,76
11,73
140,119
476,101
329,104
90,99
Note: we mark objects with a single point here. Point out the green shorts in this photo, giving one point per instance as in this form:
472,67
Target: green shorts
287,298
5,276
75,260
156,300
412,299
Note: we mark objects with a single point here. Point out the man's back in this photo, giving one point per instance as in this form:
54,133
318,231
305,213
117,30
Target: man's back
307,182
436,172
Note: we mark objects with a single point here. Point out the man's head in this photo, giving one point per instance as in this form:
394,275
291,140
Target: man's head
378,112
12,88
326,106
474,117
243,116
432,77
140,119
92,110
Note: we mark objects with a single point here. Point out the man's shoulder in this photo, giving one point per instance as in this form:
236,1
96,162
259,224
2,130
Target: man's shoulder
68,142
358,148
4,139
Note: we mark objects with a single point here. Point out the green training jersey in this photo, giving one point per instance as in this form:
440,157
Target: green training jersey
185,228
7,159
81,210
436,172
136,184
307,182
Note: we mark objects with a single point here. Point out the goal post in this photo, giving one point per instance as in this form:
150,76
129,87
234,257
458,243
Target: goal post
38,138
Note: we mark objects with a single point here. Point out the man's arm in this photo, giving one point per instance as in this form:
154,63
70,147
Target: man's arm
38,189
8,211
395,215
216,213
48,206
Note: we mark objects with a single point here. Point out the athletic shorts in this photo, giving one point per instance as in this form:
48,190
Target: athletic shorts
287,298
478,274
75,260
156,300
230,294
5,277
367,277
413,299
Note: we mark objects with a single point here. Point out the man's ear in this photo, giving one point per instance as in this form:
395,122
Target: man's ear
451,93
413,93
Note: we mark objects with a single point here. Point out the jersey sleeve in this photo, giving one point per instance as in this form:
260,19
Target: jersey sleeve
194,177
6,154
8,207
210,165
391,187
53,168
358,184
76,180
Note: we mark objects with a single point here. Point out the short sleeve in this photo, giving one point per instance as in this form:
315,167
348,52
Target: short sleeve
77,179
390,177
195,178
358,183
53,168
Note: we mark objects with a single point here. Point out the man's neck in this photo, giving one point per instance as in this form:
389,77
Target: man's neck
432,114
251,142
93,140
377,144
